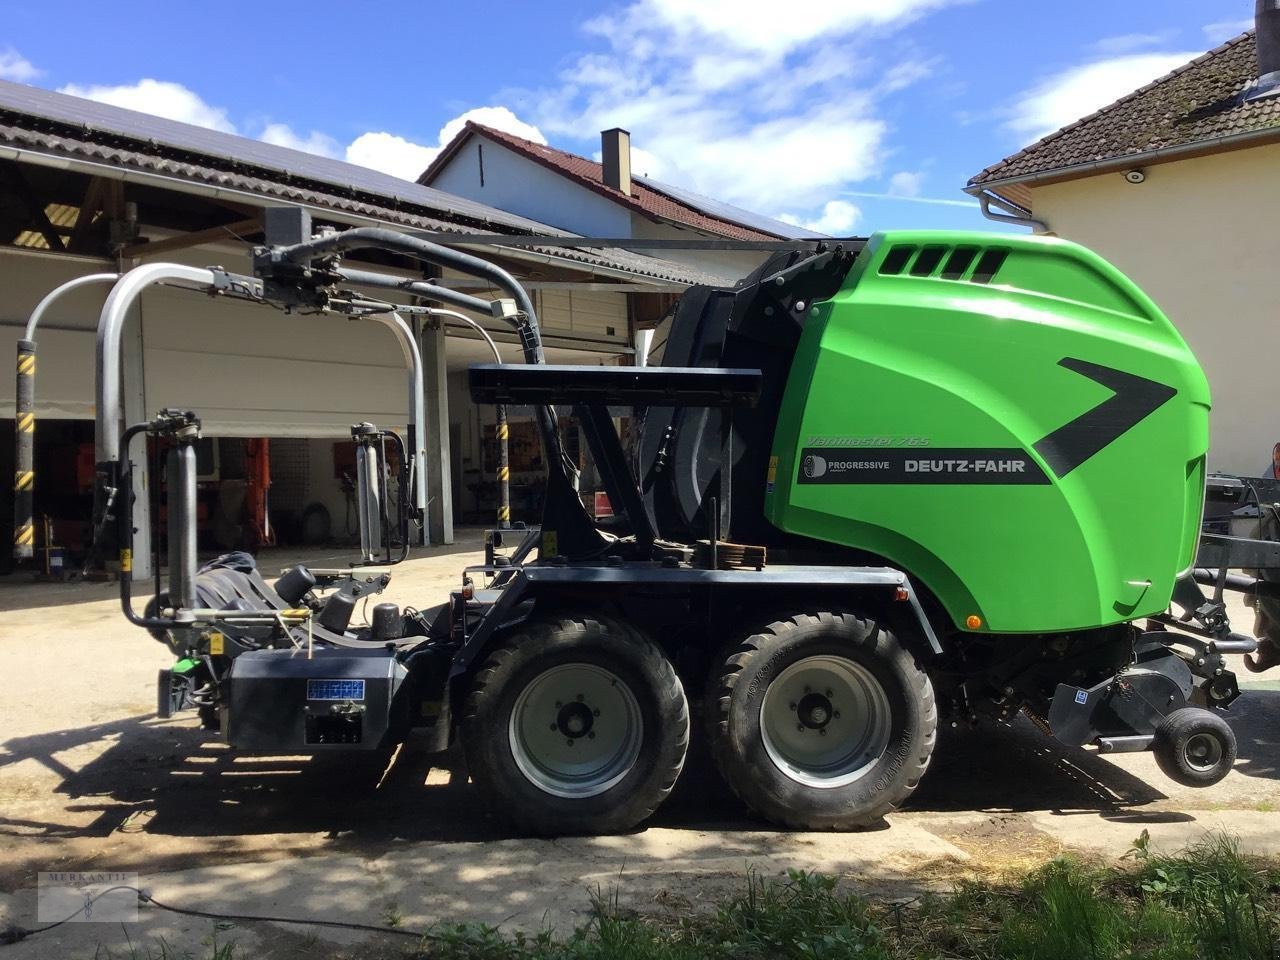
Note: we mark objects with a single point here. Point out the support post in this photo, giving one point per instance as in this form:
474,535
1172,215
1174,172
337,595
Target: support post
133,382
504,468
438,463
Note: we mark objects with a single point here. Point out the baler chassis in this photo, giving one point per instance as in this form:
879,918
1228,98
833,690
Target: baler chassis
565,676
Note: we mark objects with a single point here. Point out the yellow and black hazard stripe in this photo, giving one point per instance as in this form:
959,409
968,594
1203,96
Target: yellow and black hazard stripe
26,423
26,364
24,480
24,535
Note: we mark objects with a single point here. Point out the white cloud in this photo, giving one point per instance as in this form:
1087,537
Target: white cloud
838,219
403,158
391,154
1226,29
760,25
646,164
905,184
932,201
161,98
14,66
1130,42
282,135
500,118
1075,93
733,99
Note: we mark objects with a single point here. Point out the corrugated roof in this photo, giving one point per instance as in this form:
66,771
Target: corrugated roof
1195,103
61,125
648,196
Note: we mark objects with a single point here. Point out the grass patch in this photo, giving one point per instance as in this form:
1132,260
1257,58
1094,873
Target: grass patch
1206,903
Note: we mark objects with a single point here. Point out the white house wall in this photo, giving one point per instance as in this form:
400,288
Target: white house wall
586,316
247,370
1199,237
527,189
730,264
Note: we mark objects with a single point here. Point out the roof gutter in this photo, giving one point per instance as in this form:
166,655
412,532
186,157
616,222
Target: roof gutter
1014,214
178,185
1129,161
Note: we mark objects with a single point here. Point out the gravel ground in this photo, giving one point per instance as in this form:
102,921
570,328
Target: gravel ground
91,780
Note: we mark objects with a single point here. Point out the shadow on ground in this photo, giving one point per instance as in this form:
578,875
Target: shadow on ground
168,780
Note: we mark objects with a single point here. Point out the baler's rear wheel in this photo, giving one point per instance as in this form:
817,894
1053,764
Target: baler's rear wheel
822,721
576,726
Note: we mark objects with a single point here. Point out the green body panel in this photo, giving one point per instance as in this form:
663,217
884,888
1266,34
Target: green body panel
903,362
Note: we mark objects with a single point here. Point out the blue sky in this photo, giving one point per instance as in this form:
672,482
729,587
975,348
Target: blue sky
845,115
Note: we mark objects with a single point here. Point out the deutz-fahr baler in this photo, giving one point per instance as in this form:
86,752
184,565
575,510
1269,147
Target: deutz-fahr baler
873,487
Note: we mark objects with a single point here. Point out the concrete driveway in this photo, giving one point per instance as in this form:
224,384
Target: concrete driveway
91,780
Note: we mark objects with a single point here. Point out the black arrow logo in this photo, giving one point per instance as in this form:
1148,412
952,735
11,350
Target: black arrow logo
1134,399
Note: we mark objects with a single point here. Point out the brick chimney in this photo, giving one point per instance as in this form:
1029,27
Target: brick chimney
615,153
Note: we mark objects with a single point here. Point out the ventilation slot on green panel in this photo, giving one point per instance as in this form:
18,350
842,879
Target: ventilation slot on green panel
958,262
896,260
928,261
989,265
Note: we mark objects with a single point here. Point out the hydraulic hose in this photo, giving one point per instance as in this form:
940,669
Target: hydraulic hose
526,321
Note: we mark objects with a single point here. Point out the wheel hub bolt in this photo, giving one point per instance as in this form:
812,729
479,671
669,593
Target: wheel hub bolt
569,741
591,735
822,732
800,727
595,713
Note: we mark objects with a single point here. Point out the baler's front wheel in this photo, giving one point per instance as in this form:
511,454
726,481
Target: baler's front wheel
1195,747
822,721
576,726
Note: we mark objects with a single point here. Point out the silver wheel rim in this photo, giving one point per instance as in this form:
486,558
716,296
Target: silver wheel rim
825,721
1202,752
576,730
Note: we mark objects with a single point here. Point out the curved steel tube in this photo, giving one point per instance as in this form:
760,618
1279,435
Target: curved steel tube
473,324
500,426
110,326
43,306
24,416
417,405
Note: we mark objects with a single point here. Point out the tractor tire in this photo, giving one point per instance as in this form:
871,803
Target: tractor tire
1194,747
822,721
575,726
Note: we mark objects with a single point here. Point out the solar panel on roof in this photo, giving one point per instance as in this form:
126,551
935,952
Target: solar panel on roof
727,211
184,136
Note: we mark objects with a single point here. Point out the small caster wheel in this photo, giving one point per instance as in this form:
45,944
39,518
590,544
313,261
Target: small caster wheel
210,718
1195,747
